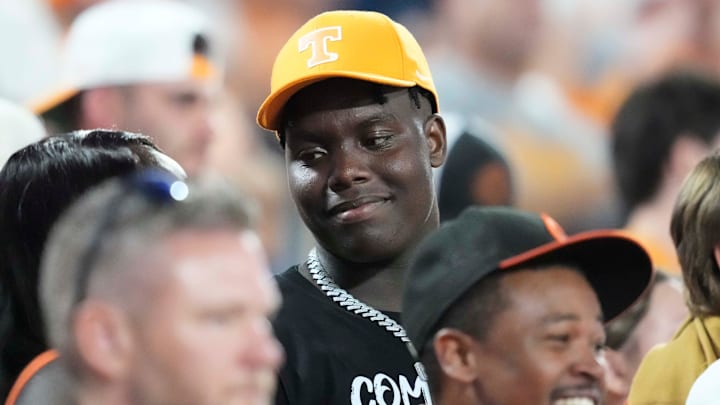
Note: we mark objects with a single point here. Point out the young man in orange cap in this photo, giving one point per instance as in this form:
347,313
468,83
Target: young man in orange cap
354,107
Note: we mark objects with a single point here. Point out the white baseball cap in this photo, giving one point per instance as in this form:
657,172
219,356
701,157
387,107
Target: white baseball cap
120,42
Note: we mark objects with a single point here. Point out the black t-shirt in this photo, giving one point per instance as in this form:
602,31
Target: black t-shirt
335,357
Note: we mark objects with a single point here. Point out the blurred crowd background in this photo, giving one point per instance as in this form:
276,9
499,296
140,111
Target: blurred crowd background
538,80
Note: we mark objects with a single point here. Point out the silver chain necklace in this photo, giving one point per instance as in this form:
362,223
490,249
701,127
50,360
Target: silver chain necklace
345,300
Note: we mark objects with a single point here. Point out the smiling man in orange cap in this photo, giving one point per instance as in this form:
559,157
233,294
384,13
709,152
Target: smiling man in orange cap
354,107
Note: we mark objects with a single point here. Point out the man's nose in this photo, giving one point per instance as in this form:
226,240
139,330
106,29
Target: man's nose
349,168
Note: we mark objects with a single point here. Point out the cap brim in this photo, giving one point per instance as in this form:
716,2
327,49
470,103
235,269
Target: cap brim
271,109
52,100
617,267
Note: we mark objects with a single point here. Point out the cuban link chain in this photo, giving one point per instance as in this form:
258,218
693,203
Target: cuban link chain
345,300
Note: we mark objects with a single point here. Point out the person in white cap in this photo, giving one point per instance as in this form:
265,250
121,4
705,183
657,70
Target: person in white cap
138,65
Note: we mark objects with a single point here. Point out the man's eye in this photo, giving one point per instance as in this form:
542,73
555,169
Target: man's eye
559,338
185,99
219,318
311,155
378,141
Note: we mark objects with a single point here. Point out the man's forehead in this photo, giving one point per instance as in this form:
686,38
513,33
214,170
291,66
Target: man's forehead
544,288
339,93
186,254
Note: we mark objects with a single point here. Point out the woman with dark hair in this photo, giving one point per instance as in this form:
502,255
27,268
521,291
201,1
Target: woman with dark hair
36,184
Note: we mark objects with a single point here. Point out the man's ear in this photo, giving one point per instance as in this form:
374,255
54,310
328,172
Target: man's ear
437,143
103,338
101,108
455,355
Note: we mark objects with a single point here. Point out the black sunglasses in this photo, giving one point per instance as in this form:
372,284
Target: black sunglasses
157,187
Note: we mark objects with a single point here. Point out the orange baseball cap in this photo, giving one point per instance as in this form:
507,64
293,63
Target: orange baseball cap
363,45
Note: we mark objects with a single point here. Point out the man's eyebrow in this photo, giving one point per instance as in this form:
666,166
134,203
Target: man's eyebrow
565,317
379,118
301,135
561,317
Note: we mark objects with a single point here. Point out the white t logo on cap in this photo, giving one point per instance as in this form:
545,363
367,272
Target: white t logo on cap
317,40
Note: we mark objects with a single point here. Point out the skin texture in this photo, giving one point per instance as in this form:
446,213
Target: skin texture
345,148
176,115
206,337
543,347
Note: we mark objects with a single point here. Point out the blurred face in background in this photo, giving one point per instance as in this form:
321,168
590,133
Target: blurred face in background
669,33
505,30
177,116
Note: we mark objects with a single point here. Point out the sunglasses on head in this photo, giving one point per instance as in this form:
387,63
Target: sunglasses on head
157,187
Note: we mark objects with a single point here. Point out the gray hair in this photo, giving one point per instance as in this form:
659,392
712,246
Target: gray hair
108,228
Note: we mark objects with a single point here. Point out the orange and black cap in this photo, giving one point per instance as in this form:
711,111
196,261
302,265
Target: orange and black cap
485,240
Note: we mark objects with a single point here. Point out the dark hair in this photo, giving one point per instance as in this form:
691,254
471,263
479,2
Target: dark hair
466,158
473,313
651,120
414,92
694,229
37,183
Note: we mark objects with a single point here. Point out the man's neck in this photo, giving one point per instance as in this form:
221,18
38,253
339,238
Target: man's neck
98,393
377,284
380,283
457,394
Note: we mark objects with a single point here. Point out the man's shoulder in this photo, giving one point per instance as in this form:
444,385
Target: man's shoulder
295,288
303,307
288,277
